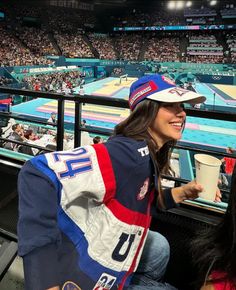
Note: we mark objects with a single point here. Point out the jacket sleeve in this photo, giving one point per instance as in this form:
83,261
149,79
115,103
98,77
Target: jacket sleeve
168,199
38,233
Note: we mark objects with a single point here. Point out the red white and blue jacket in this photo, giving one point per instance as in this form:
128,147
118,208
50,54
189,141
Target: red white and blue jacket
84,215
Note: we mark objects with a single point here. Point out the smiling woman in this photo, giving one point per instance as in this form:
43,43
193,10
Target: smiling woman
90,208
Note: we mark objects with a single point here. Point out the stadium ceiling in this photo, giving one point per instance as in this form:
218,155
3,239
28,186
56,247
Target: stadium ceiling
142,2
110,2
124,3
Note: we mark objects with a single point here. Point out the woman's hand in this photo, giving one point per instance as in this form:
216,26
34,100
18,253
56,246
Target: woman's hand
190,191
186,191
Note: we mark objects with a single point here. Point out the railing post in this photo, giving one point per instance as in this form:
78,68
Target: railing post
77,126
60,123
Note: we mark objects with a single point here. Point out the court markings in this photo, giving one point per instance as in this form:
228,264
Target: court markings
112,87
218,130
227,89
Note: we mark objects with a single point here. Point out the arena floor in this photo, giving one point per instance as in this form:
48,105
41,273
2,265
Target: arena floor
202,131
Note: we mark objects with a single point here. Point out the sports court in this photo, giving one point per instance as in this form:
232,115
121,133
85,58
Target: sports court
202,131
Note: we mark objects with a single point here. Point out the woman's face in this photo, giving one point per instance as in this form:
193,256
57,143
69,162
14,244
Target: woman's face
168,124
32,136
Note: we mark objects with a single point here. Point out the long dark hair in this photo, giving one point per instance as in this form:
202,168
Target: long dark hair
137,126
215,249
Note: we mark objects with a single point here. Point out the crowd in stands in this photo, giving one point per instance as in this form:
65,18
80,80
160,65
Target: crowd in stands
202,11
104,45
61,21
14,53
31,46
44,137
60,82
4,81
205,58
73,45
16,11
204,48
64,33
129,46
150,18
231,42
162,49
70,21
36,40
228,11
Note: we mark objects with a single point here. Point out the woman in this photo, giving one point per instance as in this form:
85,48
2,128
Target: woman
30,137
85,214
214,250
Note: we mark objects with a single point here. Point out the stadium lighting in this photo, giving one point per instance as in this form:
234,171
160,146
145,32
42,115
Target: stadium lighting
188,3
213,2
171,5
179,4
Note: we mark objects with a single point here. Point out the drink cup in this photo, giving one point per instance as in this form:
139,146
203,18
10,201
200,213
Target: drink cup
207,174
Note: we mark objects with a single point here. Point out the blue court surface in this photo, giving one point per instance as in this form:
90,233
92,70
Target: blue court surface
208,132
218,95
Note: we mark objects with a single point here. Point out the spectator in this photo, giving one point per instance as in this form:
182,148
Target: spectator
52,118
97,140
52,144
228,165
229,161
190,87
83,123
30,138
16,135
92,206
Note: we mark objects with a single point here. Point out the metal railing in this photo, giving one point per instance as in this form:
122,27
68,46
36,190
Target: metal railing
103,101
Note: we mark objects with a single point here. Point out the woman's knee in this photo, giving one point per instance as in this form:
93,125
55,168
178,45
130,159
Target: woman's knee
156,252
158,246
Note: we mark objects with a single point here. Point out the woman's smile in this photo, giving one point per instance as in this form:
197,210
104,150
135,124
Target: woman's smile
177,125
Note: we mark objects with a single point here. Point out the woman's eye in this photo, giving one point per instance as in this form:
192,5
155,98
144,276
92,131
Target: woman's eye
173,105
168,105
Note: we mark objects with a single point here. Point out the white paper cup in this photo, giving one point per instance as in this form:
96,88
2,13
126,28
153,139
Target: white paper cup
207,174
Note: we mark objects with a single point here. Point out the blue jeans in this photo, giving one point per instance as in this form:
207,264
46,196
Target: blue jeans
152,265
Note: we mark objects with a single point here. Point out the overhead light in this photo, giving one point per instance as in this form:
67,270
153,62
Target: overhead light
171,5
213,2
188,3
179,4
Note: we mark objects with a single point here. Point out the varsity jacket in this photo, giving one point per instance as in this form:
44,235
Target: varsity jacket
84,215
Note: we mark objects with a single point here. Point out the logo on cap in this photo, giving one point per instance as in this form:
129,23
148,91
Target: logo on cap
141,93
